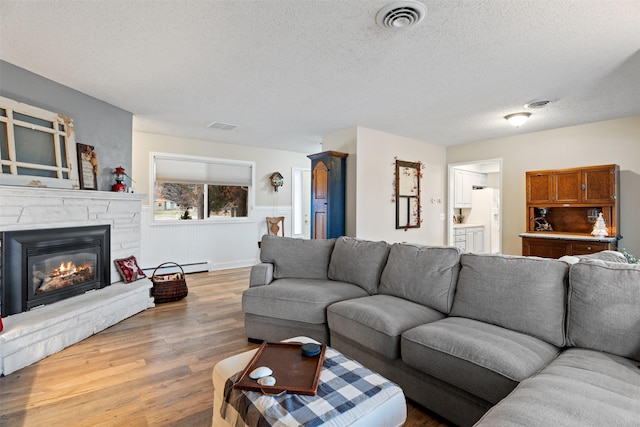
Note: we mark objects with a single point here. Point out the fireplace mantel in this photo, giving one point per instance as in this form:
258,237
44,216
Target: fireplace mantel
24,208
44,331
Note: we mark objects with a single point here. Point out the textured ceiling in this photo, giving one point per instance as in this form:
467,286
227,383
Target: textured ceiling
289,71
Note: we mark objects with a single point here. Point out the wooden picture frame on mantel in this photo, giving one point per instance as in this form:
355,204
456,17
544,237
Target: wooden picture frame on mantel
86,167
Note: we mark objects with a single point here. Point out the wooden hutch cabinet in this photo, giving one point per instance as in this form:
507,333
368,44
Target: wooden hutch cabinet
569,201
328,189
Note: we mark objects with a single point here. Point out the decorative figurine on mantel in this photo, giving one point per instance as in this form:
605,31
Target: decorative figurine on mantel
600,228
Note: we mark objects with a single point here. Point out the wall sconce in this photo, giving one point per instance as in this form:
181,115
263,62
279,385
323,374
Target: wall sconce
277,180
517,119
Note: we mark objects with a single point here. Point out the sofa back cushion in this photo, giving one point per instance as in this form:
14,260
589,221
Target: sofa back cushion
297,258
426,275
359,262
604,307
524,294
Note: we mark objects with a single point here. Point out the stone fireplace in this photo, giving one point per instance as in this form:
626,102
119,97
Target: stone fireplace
68,287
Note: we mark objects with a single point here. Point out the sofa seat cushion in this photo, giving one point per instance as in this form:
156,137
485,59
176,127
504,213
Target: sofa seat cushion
579,388
298,258
604,307
302,300
524,294
483,359
378,321
422,274
359,262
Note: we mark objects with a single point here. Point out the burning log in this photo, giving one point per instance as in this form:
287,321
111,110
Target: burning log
66,275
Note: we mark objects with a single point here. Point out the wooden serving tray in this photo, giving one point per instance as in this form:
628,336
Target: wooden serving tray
294,373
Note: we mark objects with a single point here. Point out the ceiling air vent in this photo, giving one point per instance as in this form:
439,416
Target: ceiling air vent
221,126
401,14
537,104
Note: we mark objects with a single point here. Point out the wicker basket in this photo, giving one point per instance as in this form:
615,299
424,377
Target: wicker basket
168,287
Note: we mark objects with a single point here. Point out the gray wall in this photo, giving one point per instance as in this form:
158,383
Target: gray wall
107,128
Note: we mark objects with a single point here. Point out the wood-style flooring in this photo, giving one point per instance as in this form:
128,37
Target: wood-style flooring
153,369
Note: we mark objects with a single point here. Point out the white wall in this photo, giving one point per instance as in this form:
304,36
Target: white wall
612,141
370,184
219,244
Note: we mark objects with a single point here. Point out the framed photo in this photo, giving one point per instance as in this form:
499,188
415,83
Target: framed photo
87,167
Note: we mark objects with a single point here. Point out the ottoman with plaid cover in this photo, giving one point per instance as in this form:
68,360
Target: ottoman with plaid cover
348,394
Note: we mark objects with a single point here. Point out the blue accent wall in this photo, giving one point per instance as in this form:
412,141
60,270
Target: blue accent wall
106,127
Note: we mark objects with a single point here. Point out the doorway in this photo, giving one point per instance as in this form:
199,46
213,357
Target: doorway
301,203
475,184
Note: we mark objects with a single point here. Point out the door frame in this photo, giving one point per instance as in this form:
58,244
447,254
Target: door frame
451,195
299,199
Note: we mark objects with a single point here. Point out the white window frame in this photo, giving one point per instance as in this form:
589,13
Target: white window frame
68,133
171,156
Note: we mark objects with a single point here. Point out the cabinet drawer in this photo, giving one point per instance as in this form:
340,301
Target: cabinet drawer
459,232
459,238
583,248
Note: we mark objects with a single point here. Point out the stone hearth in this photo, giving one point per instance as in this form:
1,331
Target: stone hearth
33,335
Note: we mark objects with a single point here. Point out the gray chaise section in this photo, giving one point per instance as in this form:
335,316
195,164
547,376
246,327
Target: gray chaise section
597,384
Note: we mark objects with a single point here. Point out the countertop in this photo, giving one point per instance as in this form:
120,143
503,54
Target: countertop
568,236
466,225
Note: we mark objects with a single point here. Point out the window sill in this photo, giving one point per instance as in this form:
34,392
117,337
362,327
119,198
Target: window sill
189,222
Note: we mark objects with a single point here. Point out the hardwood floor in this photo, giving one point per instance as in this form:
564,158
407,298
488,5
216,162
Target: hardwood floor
153,369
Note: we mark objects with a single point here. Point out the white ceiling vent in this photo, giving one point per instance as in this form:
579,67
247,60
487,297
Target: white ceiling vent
401,14
537,104
221,126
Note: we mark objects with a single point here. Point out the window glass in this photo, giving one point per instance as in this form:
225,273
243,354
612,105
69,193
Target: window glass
63,151
4,143
36,172
227,200
178,201
32,120
34,146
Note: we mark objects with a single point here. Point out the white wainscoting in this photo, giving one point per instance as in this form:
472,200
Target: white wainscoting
206,245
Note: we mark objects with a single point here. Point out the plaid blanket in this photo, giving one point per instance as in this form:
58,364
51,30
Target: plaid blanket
346,391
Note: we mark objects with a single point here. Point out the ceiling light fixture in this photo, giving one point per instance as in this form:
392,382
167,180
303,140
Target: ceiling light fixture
517,119
401,14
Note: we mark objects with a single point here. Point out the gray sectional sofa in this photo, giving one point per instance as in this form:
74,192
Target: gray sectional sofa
486,339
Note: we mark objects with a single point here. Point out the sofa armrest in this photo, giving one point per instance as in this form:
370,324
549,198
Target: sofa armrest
261,274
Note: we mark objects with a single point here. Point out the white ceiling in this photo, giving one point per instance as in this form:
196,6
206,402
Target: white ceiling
289,71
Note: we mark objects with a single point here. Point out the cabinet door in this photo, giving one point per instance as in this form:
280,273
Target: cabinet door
470,241
480,179
598,185
457,188
478,241
539,187
467,179
319,200
566,186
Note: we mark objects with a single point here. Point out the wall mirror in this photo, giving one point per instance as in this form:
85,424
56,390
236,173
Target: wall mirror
407,194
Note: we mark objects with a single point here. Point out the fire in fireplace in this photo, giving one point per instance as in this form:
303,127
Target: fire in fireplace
49,276
44,266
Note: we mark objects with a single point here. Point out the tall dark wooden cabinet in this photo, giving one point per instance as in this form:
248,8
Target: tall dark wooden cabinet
328,189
